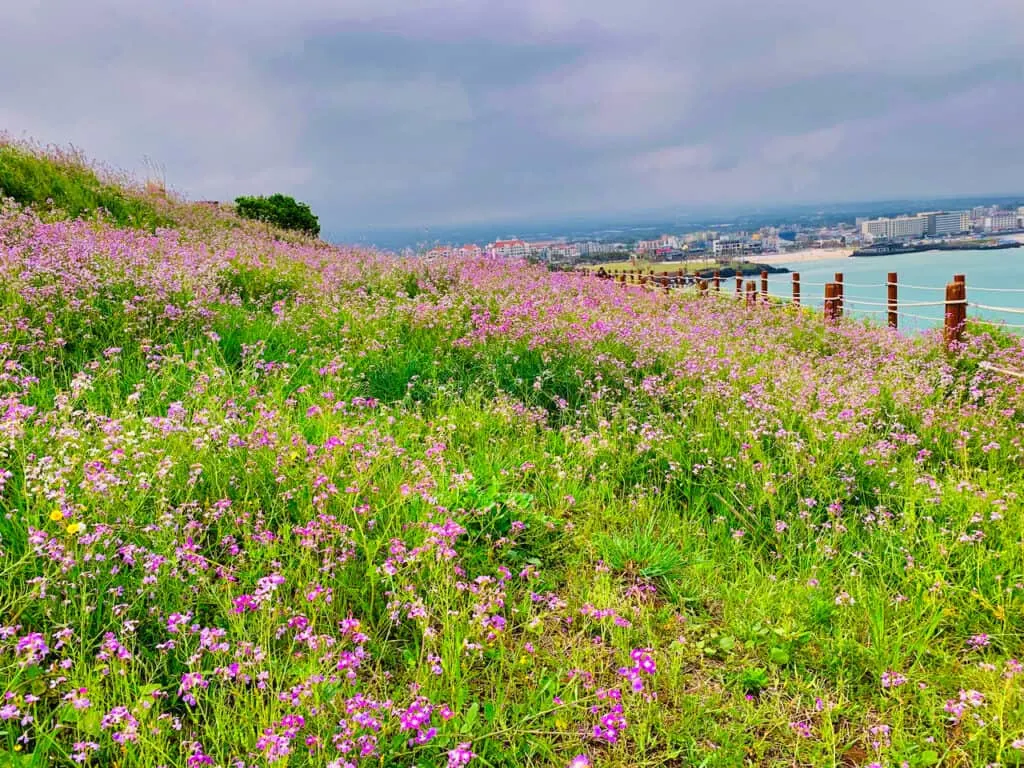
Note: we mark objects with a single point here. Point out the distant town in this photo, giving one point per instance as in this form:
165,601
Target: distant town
870,235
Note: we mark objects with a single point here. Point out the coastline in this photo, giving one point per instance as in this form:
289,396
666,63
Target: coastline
805,255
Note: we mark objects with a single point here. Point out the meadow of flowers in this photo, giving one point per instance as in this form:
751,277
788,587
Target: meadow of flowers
268,503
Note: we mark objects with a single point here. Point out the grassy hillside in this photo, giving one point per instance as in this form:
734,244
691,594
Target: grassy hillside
271,503
63,181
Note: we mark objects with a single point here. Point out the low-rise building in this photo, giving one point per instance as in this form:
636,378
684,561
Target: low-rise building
652,246
556,251
470,250
513,248
729,248
595,248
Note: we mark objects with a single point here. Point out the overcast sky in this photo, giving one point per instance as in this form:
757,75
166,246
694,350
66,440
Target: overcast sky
411,112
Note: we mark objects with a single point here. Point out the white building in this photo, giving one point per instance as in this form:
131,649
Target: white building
945,223
906,226
898,228
876,228
469,250
512,249
729,248
564,252
593,248
665,241
1000,221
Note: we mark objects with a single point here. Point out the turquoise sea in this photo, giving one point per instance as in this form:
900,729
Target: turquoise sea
994,279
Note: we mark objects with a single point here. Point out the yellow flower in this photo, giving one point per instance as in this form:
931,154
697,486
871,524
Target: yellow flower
74,528
56,515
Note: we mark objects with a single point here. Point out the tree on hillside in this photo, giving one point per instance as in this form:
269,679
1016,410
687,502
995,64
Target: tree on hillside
281,210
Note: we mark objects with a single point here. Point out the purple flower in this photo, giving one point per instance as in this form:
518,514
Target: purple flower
892,679
33,647
801,729
460,756
244,603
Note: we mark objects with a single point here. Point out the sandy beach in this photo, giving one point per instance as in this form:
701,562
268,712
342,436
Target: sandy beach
806,254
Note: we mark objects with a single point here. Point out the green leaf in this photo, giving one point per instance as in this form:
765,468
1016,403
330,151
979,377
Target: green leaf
727,642
778,656
929,757
470,719
489,712
89,722
13,759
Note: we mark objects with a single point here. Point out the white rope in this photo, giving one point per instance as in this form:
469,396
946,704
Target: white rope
847,300
997,290
997,309
989,367
929,303
864,301
918,287
860,285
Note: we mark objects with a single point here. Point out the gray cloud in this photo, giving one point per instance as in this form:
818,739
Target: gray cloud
381,112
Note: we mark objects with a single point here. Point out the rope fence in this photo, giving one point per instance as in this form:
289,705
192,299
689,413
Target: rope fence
954,303
997,369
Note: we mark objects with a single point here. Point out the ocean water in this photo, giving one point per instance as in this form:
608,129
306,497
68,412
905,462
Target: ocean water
994,279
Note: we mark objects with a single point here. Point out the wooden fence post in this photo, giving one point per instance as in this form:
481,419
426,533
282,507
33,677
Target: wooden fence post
830,302
764,285
739,284
717,281
956,311
796,288
892,299
751,293
839,294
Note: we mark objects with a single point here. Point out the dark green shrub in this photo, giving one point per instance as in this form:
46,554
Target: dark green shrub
281,211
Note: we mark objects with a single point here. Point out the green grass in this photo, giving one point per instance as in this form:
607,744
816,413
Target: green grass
522,486
63,183
658,267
